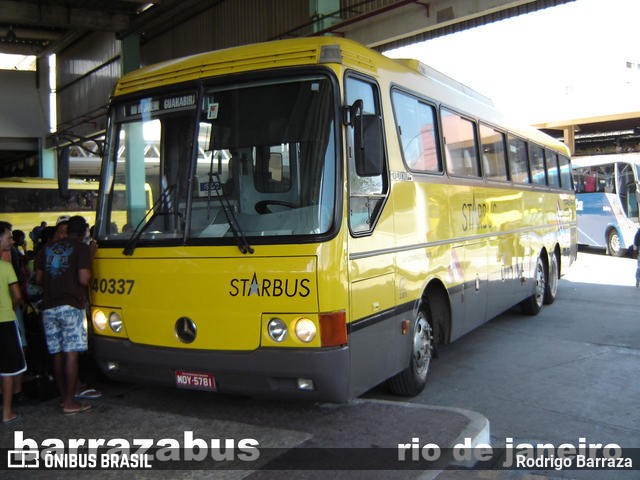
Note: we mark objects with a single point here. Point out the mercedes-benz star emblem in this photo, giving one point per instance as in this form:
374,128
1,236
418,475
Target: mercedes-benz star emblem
186,330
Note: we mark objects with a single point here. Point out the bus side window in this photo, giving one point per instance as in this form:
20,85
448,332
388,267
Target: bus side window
494,165
536,161
565,173
416,124
551,164
518,162
460,150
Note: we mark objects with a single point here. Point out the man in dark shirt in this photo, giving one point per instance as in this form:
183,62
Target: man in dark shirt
63,269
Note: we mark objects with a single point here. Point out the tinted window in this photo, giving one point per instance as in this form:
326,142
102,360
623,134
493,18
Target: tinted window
416,124
459,145
552,169
536,161
565,173
518,160
493,155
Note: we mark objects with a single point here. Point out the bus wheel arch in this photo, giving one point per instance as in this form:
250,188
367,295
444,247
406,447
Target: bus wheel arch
436,299
431,327
553,276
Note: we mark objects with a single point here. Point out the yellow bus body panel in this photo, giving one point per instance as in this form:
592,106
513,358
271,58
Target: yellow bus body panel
228,295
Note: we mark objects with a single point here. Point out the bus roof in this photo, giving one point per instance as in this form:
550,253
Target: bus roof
45,183
324,50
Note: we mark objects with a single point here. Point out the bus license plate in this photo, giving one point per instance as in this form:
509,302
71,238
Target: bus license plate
195,381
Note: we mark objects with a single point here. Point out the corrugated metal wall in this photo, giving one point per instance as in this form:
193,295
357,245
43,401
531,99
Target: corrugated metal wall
226,25
86,74
88,70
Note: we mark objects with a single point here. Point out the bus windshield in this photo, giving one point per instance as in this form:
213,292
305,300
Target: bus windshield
255,159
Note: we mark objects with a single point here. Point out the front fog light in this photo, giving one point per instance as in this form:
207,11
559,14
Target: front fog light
277,330
305,330
99,320
306,384
115,322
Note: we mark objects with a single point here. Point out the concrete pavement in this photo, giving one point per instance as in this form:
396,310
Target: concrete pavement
372,428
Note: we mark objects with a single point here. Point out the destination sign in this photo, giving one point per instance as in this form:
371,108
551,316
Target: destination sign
154,106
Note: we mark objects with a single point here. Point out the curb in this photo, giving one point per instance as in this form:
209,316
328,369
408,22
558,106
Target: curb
478,430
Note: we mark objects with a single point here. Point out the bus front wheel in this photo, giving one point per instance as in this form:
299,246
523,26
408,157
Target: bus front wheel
412,380
613,243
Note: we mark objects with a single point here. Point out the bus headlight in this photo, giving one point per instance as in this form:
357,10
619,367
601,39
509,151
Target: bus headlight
115,322
99,320
305,330
277,330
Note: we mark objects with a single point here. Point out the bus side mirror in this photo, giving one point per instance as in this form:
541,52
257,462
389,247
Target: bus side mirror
63,173
367,139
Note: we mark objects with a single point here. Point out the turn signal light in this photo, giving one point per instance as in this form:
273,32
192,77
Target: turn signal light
333,328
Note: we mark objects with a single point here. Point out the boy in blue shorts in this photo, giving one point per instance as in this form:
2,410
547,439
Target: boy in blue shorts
63,268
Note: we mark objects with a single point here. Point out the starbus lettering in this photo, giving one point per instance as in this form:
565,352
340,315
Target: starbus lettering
475,216
269,287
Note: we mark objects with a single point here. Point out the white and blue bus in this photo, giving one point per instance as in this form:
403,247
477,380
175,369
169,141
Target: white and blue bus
607,200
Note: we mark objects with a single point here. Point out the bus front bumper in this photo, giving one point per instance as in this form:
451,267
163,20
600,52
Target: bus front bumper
267,372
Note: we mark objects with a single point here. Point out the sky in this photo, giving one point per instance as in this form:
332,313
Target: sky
574,60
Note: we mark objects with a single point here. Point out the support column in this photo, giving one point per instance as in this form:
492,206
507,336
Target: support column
134,141
130,47
46,84
322,8
48,162
570,138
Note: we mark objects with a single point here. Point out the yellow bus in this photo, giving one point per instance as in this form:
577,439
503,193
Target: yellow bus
26,202
324,218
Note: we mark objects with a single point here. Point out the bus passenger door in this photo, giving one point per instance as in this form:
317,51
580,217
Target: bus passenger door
376,343
627,189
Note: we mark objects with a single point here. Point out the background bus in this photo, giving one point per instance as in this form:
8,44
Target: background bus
25,202
607,200
324,217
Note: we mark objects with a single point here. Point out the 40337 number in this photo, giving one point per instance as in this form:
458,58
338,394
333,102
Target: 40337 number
115,286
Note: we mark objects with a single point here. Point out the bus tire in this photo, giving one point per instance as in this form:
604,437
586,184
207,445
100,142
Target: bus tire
553,274
613,243
533,304
412,380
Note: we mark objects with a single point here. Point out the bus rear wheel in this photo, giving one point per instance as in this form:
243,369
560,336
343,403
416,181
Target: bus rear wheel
613,243
413,379
551,287
533,304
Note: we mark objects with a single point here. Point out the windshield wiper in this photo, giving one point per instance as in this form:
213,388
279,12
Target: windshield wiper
232,220
149,216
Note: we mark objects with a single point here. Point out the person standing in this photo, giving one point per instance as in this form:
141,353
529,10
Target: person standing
63,269
16,257
12,361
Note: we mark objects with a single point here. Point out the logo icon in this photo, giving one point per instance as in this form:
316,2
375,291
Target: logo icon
185,330
23,459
